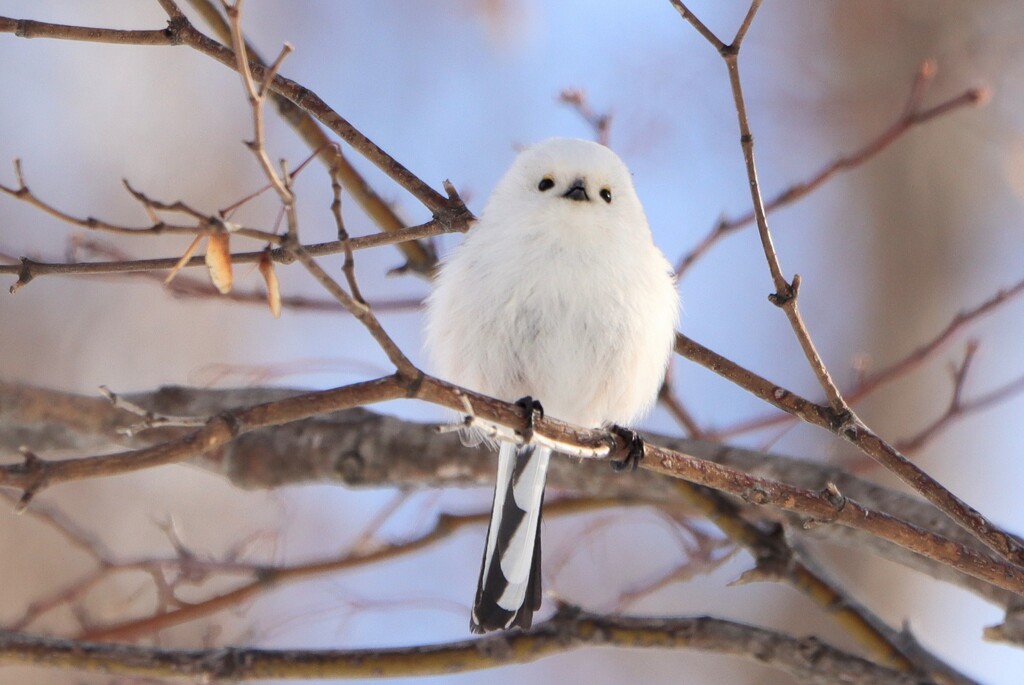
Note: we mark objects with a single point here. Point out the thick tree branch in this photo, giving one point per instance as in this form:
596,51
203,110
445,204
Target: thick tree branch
826,506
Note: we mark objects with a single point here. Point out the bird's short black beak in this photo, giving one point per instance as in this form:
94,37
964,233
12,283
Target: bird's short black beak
577,191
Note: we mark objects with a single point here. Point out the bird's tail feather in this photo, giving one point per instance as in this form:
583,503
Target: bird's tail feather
509,590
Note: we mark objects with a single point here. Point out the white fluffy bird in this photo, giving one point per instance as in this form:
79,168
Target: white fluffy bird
558,294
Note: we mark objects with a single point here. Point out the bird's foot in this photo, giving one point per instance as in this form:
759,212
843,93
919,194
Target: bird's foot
534,410
634,447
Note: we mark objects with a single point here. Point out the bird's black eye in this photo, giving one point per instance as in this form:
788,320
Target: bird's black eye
606,195
545,184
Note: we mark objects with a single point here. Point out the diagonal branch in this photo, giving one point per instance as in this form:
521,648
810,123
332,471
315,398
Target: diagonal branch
353,302
360,448
845,423
912,360
910,118
775,559
449,210
420,254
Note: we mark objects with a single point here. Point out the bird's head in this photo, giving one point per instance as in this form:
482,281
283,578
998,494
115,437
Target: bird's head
568,180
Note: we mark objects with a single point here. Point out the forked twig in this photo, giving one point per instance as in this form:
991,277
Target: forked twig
911,117
871,382
843,422
281,181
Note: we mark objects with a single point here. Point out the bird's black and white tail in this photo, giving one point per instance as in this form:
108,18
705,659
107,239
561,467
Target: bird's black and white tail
509,590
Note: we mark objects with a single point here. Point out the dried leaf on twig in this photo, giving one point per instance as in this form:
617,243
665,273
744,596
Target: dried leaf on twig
266,267
218,261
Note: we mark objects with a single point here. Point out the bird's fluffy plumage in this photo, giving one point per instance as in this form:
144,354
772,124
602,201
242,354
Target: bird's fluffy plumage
559,294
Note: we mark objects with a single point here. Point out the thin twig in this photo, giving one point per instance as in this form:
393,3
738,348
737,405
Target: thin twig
203,226
281,181
870,383
419,253
703,30
28,269
844,422
149,419
266,578
911,117
671,400
349,266
959,408
256,96
601,124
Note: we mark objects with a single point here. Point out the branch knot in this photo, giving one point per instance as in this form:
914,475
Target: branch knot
175,25
784,295
231,421
412,385
836,499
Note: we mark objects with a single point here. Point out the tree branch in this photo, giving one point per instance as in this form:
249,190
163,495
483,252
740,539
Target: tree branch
845,423
871,382
911,117
28,269
420,254
449,210
827,506
808,659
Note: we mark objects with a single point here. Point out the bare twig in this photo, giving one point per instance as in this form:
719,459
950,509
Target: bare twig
703,30
671,400
786,292
844,422
149,419
266,577
28,269
958,407
256,95
419,253
449,210
911,117
203,226
901,367
601,124
281,181
349,266
362,312
812,661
